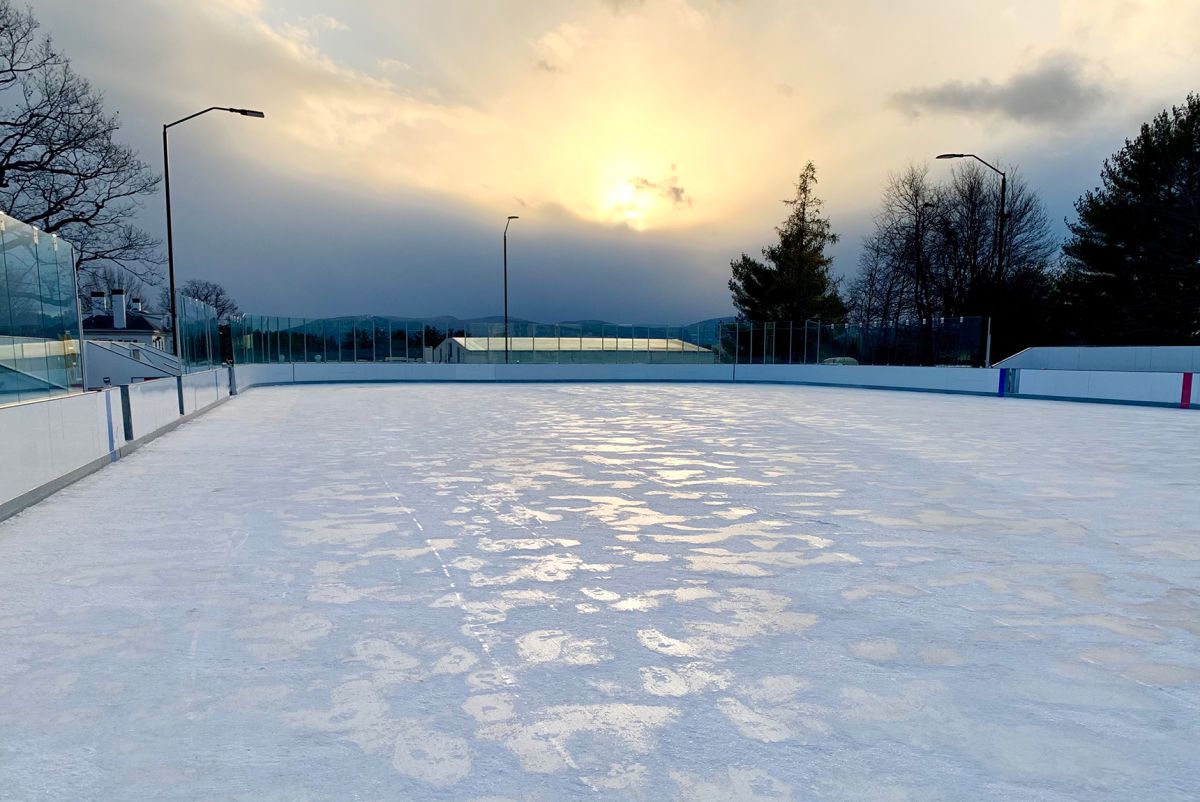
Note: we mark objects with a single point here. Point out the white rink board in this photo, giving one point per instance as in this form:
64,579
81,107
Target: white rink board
544,592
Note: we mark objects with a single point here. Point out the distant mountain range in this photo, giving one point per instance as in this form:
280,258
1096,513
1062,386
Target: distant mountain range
586,328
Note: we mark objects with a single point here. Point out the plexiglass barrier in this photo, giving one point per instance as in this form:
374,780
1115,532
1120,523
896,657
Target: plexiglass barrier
258,339
199,334
39,315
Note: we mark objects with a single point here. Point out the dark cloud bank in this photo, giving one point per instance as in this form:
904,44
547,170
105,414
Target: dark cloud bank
1053,91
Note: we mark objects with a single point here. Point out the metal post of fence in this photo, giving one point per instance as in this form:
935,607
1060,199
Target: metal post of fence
818,341
987,358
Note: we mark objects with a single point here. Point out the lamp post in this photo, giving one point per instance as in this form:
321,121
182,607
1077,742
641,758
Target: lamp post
1000,233
167,192
507,223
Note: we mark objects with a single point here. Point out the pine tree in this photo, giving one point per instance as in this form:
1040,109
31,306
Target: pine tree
793,282
1133,260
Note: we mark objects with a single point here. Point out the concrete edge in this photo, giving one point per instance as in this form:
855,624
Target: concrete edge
26,500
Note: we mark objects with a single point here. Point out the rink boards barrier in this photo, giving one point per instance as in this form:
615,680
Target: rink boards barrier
48,444
1143,388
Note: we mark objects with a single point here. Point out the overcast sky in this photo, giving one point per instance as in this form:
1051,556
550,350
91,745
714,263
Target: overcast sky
644,143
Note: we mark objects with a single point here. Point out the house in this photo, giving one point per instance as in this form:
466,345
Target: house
117,323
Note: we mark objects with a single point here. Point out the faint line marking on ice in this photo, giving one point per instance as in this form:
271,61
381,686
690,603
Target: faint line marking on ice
470,626
192,655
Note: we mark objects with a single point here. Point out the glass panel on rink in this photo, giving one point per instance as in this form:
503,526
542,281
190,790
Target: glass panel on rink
199,334
940,341
39,315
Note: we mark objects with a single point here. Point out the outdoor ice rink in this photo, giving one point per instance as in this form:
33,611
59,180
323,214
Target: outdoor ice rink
693,592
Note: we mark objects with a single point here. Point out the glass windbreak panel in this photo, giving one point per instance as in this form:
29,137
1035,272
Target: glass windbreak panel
25,311
383,341
54,318
345,338
263,340
629,345
299,351
199,334
412,340
39,318
10,378
397,341
364,340
310,342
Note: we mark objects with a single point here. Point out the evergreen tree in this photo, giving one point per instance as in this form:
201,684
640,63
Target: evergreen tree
1133,260
793,282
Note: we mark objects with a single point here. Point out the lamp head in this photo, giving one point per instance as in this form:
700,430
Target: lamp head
513,217
953,156
249,113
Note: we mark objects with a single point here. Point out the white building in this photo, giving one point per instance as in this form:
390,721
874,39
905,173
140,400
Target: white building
117,323
572,350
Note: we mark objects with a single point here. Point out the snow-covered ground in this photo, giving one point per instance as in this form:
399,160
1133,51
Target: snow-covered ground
614,591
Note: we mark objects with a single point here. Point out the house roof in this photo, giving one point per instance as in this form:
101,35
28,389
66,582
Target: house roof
133,322
577,344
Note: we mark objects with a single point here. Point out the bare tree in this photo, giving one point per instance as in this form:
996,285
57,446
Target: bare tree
61,167
107,278
899,256
878,293
208,292
933,250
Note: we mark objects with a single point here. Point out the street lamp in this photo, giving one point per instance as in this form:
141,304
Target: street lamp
999,233
1003,202
507,223
167,192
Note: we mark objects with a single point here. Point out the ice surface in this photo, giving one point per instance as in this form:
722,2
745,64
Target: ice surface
614,591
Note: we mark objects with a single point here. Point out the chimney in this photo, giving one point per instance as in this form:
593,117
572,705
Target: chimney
137,304
98,303
118,301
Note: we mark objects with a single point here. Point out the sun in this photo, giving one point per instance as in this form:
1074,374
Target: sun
628,204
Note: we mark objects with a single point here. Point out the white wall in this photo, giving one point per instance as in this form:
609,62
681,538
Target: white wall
946,380
45,440
200,390
1103,385
1151,358
1135,387
153,405
963,380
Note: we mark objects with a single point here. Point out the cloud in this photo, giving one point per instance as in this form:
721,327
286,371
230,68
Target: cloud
393,65
618,6
667,188
309,28
1056,90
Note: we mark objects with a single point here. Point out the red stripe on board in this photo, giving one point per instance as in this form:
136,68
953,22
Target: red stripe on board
1185,398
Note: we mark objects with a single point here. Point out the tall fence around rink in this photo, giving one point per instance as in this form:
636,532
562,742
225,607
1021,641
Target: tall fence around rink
258,339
